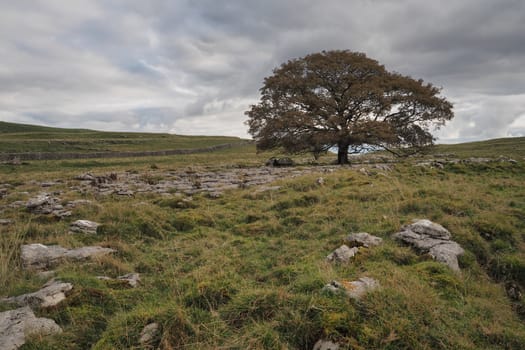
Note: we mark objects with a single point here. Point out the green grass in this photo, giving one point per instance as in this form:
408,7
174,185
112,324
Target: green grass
18,138
246,271
509,147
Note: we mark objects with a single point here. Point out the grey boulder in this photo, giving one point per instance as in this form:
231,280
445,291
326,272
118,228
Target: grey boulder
429,237
84,226
51,294
342,254
17,325
363,239
132,279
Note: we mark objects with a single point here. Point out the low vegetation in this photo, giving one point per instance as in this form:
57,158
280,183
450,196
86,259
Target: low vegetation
16,138
246,270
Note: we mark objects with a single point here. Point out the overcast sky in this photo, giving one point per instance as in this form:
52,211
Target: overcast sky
195,66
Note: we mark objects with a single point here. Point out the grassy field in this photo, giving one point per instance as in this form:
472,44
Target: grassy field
16,138
246,271
509,147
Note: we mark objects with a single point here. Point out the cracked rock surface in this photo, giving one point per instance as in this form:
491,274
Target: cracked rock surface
16,325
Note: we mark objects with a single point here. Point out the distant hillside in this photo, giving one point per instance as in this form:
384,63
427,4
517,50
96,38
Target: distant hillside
509,147
18,138
8,128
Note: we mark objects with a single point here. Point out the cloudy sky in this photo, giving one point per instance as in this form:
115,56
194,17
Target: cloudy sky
194,66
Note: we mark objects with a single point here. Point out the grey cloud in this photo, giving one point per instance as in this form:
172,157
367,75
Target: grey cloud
194,67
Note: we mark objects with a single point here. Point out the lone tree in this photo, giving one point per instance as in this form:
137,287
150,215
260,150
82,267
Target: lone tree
346,100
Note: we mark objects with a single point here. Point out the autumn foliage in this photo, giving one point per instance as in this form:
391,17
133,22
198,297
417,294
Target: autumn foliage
346,100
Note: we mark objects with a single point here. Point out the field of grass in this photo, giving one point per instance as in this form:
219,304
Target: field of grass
509,147
16,138
246,271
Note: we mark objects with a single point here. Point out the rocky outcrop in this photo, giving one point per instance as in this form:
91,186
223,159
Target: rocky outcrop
84,226
362,239
148,335
429,237
343,254
40,256
191,181
353,289
17,325
51,294
326,345
132,279
46,204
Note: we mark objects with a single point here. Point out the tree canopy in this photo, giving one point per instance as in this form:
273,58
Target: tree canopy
346,100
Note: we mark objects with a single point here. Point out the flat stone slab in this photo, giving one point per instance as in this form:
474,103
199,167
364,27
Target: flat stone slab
353,289
84,226
429,237
17,325
40,256
363,239
343,254
51,294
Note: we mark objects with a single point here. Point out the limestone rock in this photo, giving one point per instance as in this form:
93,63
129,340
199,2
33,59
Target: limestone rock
51,294
85,177
84,226
40,256
363,239
38,201
133,279
149,334
342,254
353,289
16,325
45,204
325,345
429,237
429,228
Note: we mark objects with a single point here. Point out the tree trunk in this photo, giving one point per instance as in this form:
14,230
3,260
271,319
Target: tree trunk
342,153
